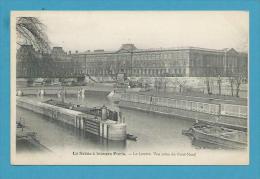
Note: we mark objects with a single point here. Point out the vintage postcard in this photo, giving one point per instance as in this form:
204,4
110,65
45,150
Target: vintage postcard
129,88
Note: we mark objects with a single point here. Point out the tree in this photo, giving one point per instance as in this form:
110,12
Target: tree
219,82
111,69
165,83
157,84
208,82
238,80
31,31
231,81
181,85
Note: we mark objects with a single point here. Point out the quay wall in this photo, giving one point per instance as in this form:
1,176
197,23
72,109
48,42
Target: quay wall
108,129
51,90
232,122
225,114
225,109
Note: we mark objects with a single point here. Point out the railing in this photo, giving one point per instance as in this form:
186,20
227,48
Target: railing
50,75
209,108
234,110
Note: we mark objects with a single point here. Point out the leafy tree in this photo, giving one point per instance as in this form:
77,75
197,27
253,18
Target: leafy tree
31,31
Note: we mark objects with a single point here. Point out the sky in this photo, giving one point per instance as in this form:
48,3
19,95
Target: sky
90,30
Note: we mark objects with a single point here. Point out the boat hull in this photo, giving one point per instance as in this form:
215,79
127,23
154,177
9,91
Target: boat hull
217,136
221,142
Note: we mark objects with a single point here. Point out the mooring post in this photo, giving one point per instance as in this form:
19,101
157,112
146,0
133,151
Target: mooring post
104,113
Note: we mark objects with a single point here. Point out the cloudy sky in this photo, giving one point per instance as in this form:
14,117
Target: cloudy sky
89,30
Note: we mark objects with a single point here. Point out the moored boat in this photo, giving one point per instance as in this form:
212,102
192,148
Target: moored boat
27,139
131,137
102,112
217,135
99,121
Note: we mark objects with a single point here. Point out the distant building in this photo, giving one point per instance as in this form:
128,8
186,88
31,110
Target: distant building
61,62
174,62
188,61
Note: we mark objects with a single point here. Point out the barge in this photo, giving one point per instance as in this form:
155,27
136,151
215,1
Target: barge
27,139
218,136
98,121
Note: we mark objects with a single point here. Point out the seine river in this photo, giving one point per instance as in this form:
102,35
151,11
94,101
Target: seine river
153,131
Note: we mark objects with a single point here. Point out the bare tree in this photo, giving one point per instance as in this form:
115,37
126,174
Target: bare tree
108,67
207,82
31,31
181,85
219,82
157,85
231,81
175,84
165,83
238,80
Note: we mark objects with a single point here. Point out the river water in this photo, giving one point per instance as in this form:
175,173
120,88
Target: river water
153,131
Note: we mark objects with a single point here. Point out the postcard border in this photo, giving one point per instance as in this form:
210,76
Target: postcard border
128,171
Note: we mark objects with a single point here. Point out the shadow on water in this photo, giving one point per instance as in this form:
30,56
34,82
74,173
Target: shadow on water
26,146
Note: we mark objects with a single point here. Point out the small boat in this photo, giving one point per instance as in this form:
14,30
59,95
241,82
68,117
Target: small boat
131,137
217,135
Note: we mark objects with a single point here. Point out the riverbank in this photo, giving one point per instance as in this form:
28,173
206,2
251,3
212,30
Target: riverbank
227,121
69,90
225,112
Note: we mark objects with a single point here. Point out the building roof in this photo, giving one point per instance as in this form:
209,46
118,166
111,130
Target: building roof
128,48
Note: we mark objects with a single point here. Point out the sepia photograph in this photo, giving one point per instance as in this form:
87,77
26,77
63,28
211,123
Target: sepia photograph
129,87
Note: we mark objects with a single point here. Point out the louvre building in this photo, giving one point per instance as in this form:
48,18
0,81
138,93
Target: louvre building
172,62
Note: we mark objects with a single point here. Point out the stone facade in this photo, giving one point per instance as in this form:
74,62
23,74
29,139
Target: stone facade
178,62
175,62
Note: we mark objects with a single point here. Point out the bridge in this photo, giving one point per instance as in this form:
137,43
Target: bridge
51,75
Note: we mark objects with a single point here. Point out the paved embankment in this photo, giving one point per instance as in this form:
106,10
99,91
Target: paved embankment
227,112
